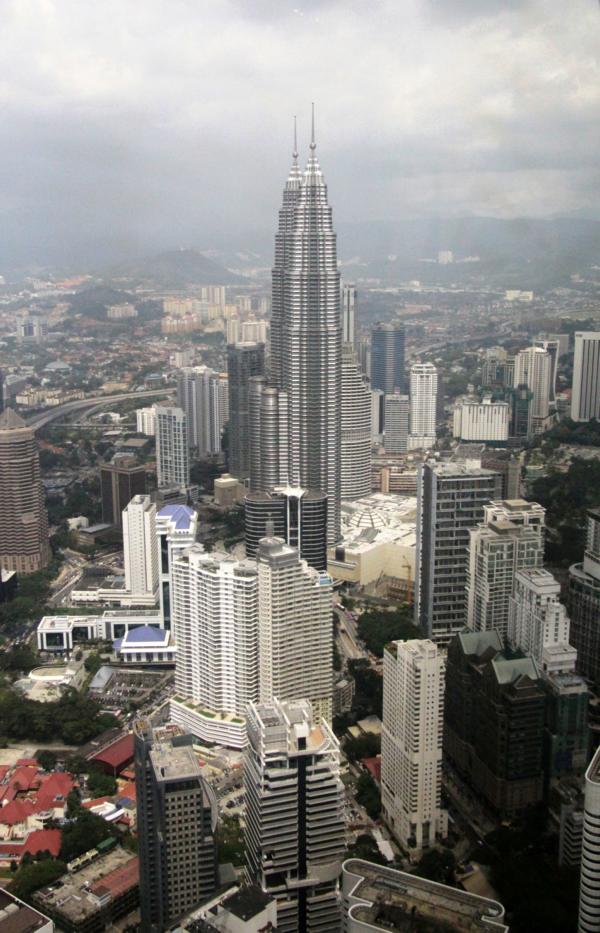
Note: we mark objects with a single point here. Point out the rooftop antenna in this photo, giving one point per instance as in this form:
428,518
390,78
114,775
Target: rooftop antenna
313,144
295,152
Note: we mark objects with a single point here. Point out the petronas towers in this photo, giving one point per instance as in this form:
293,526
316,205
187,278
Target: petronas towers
306,339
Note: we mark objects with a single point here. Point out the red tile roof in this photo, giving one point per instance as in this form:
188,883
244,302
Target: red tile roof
42,839
373,766
119,880
128,790
43,792
117,755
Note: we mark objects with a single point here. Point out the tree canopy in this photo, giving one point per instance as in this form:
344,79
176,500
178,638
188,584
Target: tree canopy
376,627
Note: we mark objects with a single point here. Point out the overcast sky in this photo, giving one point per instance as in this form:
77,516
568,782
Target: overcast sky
146,121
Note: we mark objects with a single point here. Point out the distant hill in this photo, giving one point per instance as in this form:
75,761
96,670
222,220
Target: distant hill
175,269
94,300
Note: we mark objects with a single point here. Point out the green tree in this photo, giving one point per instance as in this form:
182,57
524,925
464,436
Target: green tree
101,785
83,834
230,841
47,760
368,795
437,865
363,746
377,627
30,878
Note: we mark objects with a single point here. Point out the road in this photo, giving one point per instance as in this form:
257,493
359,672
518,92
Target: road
45,417
347,639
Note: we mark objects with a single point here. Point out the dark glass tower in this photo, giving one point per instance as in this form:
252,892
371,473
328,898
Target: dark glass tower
244,360
298,516
387,358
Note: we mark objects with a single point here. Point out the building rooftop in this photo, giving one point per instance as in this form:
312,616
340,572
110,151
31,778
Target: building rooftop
396,901
247,902
172,762
80,894
17,917
181,516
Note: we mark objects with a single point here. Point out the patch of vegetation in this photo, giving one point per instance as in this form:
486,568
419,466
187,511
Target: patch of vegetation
366,848
100,784
363,746
437,865
30,878
84,833
567,497
73,719
368,795
368,697
377,627
230,840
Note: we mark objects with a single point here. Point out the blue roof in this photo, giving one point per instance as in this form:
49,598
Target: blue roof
145,633
181,515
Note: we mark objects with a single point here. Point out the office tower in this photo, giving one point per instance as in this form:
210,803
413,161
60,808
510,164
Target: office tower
537,620
589,884
349,311
140,547
411,743
520,400
298,516
244,360
214,620
387,358
423,397
533,368
295,834
172,450
176,530
585,396
198,389
176,822
510,538
24,545
223,398
450,501
481,420
509,473
494,718
295,628
584,602
306,334
377,415
552,347
356,429
397,423
120,481
378,898
145,419
268,430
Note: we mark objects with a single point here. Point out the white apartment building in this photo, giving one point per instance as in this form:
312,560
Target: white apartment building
537,620
214,620
356,428
510,538
423,400
199,391
483,420
172,451
589,885
533,368
295,628
397,424
295,832
254,331
585,397
411,742
140,548
146,421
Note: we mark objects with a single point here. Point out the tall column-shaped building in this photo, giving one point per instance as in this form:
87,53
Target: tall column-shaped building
214,613
356,429
585,398
411,742
295,835
589,885
198,395
268,419
176,823
387,358
451,499
307,335
349,308
423,401
537,619
24,543
295,628
584,602
510,538
140,547
244,360
533,368
172,450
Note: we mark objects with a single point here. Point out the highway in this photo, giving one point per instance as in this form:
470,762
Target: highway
96,401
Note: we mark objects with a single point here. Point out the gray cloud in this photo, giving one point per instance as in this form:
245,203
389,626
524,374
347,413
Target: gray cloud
170,122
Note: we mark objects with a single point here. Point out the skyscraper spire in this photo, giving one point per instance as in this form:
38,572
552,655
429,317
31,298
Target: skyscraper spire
313,144
295,152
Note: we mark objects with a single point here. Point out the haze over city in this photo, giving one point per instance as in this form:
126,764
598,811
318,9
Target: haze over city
129,127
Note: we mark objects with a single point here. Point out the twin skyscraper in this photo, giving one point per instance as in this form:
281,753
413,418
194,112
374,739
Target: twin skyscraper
295,411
